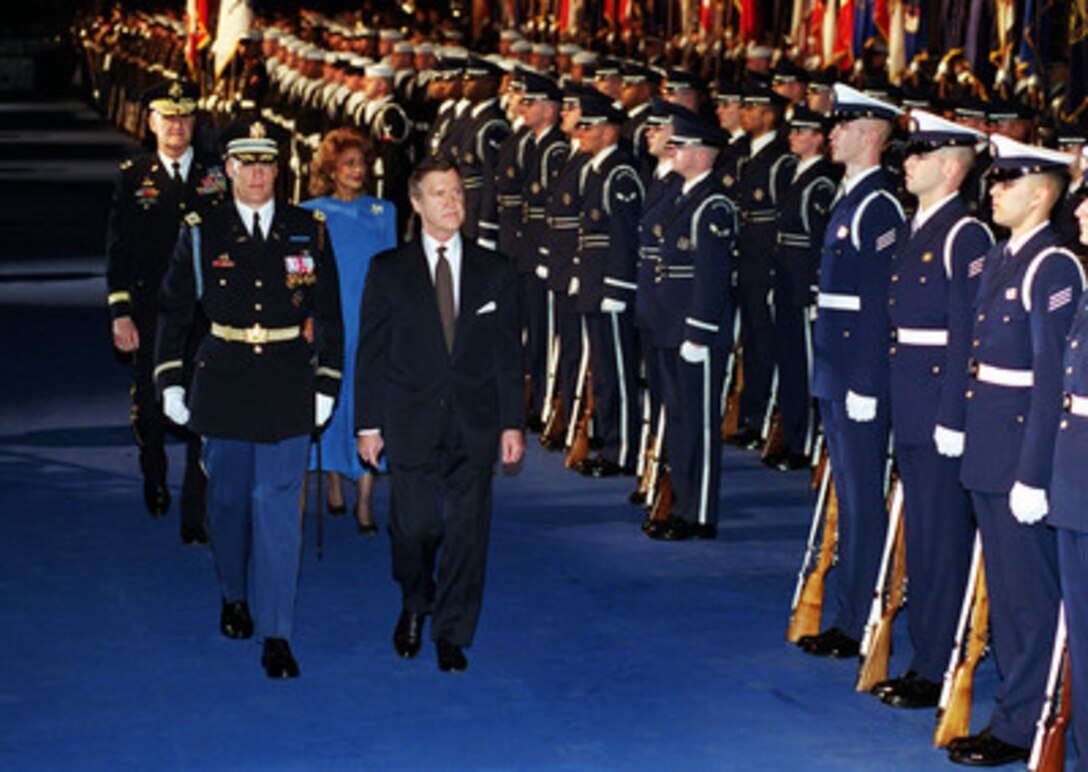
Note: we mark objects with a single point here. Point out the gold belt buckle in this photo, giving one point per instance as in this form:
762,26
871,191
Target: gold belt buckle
256,335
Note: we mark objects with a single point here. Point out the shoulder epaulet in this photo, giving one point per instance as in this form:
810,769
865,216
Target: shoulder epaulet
126,164
192,218
319,215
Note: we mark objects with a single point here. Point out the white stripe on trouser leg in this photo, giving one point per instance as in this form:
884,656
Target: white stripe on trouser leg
704,475
551,362
624,439
810,415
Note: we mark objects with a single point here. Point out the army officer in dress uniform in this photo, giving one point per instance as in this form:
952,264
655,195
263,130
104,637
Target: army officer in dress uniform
152,195
259,269
1024,308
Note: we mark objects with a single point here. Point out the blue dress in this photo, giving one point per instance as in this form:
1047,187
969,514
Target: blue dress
359,230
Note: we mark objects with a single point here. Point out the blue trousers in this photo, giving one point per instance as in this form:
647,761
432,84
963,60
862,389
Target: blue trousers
940,533
693,440
615,397
1022,582
1073,567
858,453
255,526
534,324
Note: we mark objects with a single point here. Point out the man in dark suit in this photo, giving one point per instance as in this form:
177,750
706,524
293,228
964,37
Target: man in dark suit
152,196
439,385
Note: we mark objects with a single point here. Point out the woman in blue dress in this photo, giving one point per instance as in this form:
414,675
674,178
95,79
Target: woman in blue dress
360,226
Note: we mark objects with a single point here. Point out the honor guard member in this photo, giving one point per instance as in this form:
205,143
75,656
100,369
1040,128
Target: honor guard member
445,90
1031,288
789,81
764,176
1069,502
936,271
260,270
605,273
662,190
693,330
728,99
802,219
637,87
545,151
484,127
970,112
557,250
386,124
850,356
151,197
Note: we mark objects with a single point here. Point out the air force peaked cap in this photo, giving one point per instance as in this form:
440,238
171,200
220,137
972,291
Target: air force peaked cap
598,108
929,132
540,87
1014,159
694,129
851,103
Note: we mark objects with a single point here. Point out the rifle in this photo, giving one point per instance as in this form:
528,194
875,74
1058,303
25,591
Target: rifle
775,443
662,501
876,644
549,402
819,460
1048,748
576,423
954,708
655,455
733,383
808,597
579,448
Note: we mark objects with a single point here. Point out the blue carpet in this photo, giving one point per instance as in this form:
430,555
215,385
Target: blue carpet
598,649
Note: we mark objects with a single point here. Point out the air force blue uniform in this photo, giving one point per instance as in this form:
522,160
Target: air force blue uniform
935,276
851,354
1023,313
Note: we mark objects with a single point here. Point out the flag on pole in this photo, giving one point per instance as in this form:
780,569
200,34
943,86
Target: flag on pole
235,19
843,54
1035,38
827,32
914,29
196,31
1076,93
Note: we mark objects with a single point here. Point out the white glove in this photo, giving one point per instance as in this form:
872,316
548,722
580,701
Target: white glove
694,352
572,288
323,405
612,306
542,272
1028,504
173,405
949,442
860,408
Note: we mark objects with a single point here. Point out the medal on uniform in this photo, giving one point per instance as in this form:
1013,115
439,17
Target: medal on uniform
927,257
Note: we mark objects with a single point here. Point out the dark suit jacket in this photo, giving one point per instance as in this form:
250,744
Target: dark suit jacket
408,385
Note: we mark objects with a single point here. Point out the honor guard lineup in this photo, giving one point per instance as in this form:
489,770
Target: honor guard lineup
877,283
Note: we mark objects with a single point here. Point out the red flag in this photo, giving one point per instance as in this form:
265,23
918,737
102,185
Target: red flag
844,33
196,31
751,22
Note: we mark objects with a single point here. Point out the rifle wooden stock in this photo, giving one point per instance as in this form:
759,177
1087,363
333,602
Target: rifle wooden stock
1048,748
556,428
649,459
579,448
731,411
776,437
819,468
809,607
954,720
878,648
654,465
662,504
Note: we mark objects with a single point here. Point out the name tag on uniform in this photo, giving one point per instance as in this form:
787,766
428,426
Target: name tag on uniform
223,261
299,264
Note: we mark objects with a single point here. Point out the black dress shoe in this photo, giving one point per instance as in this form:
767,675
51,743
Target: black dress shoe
533,423
277,659
671,528
637,498
745,438
884,687
912,693
704,531
450,657
408,635
830,643
235,621
791,462
773,460
336,510
156,498
367,529
193,535
984,750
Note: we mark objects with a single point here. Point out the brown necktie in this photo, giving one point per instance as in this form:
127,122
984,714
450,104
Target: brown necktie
443,291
